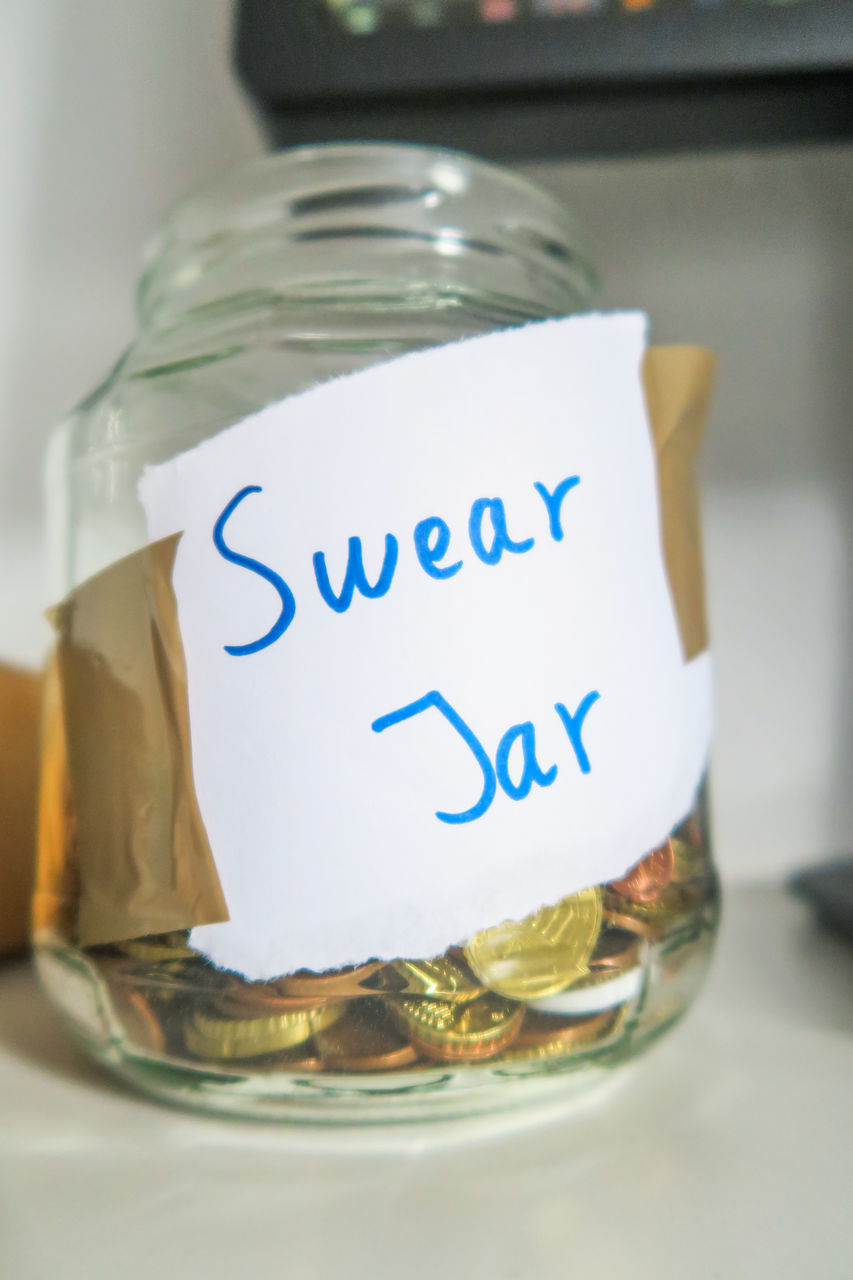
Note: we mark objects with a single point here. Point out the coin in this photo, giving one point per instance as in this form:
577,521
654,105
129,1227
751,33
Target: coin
458,1032
689,860
650,929
615,975
543,1040
542,1028
331,985
615,951
649,877
159,981
304,1059
291,1060
547,951
138,1020
209,1037
656,917
254,999
364,1039
439,979
690,831
594,993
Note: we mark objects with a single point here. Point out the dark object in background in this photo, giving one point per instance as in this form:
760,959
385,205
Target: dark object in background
829,889
525,78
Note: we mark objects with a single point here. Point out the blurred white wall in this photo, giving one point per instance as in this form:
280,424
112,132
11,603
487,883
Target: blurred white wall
109,112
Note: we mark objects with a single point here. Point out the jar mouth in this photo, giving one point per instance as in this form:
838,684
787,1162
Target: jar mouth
334,217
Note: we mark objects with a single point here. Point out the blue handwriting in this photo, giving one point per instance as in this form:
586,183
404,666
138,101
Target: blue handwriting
498,774
431,539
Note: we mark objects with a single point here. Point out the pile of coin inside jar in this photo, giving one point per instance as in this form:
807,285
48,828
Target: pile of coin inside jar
570,980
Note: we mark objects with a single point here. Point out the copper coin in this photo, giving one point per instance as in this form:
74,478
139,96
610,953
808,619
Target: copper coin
364,1040
331,985
245,999
691,831
544,1028
301,1059
616,951
691,860
652,928
139,1020
650,877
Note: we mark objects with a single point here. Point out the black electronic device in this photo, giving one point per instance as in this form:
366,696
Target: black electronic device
517,78
828,887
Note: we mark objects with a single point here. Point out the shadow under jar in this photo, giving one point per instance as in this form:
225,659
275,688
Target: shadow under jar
291,271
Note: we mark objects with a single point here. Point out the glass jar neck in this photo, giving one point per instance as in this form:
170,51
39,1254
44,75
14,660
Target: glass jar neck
361,229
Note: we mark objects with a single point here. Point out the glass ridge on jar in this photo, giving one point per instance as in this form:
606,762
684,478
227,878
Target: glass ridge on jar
289,271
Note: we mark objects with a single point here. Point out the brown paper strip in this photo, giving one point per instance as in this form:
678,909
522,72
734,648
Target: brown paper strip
678,390
135,855
145,864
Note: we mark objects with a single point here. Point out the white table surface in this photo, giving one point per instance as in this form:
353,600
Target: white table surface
726,1152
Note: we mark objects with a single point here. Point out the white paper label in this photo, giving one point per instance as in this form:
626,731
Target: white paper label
435,676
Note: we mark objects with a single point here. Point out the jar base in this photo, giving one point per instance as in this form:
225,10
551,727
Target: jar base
422,1093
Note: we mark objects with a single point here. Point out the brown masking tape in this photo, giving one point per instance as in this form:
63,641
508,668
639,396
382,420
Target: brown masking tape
678,383
141,851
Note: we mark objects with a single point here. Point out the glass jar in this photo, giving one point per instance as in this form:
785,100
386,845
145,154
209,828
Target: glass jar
289,272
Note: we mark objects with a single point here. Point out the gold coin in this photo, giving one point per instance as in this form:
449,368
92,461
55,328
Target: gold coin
439,979
540,955
250,1037
458,1032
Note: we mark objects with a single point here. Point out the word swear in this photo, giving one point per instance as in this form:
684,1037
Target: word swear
487,533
